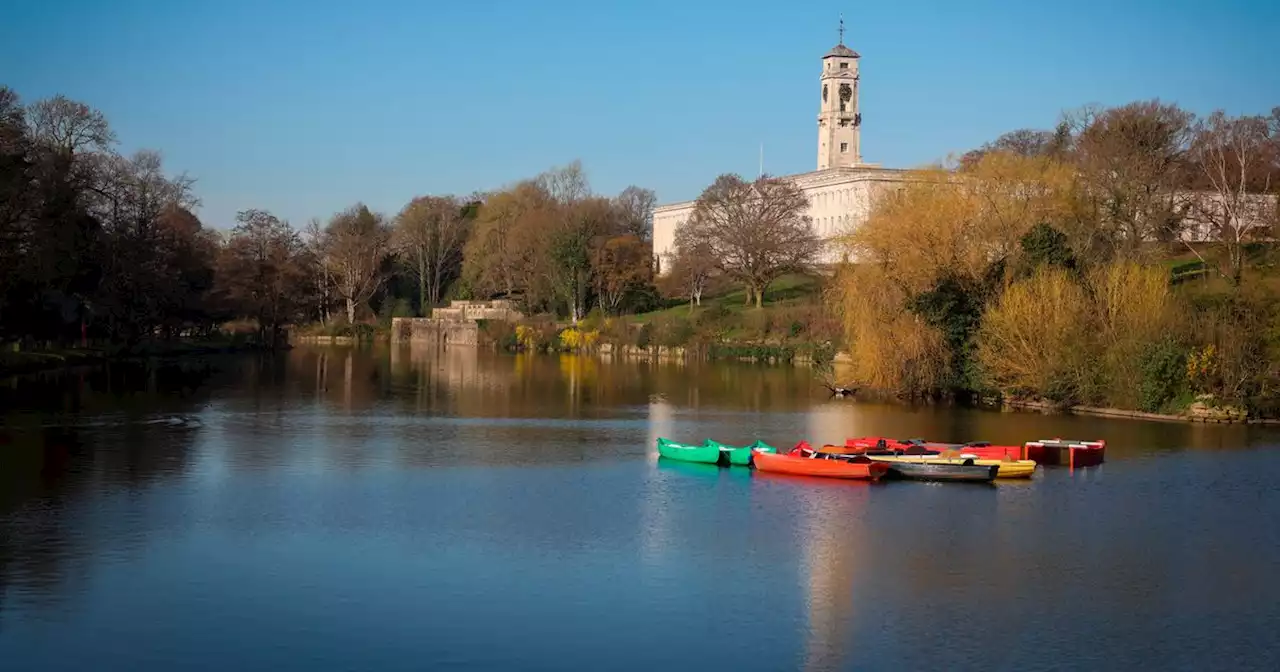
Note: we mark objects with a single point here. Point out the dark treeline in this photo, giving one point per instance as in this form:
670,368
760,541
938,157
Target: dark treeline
96,246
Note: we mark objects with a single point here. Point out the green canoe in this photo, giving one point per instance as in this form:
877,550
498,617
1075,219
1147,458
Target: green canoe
741,455
686,452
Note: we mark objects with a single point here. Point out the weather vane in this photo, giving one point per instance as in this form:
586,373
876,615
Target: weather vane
841,27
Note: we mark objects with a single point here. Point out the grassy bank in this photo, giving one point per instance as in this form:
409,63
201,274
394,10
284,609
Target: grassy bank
791,324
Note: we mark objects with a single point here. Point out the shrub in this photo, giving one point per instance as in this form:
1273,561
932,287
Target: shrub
575,340
1164,366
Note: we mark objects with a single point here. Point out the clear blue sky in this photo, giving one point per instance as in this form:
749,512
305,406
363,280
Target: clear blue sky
303,108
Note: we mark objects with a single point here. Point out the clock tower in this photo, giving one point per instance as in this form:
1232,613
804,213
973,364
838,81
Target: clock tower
839,121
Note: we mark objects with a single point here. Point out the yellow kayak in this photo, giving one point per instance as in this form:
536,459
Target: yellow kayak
1008,468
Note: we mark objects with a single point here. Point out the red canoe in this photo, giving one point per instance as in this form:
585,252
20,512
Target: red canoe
812,463
982,449
1066,452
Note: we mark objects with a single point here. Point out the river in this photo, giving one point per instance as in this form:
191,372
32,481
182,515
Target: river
406,509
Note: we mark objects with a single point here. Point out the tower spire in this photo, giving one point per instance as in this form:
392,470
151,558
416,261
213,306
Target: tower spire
841,28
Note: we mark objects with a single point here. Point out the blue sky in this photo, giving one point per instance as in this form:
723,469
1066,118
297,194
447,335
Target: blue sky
303,108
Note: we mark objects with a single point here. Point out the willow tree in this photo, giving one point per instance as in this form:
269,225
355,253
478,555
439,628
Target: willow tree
757,231
933,254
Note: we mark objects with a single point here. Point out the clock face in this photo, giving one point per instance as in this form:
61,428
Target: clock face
846,92
824,93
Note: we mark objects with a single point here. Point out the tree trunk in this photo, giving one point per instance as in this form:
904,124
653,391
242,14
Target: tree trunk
351,311
423,311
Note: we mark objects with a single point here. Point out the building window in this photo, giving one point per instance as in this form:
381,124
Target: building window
842,106
844,147
844,66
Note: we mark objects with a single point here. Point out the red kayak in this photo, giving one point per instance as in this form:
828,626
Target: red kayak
1067,452
803,461
982,449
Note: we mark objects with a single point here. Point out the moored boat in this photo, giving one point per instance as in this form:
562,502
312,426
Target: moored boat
982,449
741,455
930,471
688,452
1065,452
818,464
1006,468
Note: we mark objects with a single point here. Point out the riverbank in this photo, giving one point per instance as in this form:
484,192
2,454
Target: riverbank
1197,413
14,363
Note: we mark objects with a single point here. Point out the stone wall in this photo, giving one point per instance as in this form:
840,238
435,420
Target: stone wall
478,310
429,329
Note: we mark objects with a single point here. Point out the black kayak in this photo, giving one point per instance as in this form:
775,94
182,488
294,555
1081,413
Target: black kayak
923,471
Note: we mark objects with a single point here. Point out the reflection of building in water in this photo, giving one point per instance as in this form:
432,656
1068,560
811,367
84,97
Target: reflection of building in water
461,377
833,537
655,505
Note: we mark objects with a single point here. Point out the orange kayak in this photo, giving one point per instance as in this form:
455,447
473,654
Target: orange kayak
817,465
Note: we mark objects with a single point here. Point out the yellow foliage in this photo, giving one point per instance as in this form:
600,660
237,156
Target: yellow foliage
961,223
574,339
891,348
1131,310
1202,366
527,337
1036,337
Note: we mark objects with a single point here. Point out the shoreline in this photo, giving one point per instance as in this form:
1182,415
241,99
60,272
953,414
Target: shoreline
28,362
1099,411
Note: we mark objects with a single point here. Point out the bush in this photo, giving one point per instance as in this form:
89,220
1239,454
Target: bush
1164,375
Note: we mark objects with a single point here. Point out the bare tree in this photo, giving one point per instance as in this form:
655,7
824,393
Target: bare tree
358,244
635,207
1133,159
316,243
757,231
68,125
693,265
429,235
1238,160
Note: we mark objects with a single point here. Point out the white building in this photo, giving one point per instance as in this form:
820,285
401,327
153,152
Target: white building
841,190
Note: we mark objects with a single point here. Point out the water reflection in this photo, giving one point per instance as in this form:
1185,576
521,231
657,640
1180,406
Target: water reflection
459,490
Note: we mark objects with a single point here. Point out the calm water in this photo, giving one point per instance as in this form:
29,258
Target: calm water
339,509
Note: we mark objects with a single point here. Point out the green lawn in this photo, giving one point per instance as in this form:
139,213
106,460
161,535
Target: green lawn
788,290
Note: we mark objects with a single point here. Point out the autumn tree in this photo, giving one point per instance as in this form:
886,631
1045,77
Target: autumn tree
429,236
262,272
357,244
757,230
622,265
691,267
507,251
1236,161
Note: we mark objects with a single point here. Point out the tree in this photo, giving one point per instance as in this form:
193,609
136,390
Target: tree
756,230
262,273
622,265
580,225
635,209
69,126
429,236
357,245
1237,161
507,251
315,241
1132,161
693,267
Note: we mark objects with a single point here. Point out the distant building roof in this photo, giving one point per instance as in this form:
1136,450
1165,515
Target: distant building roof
843,51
